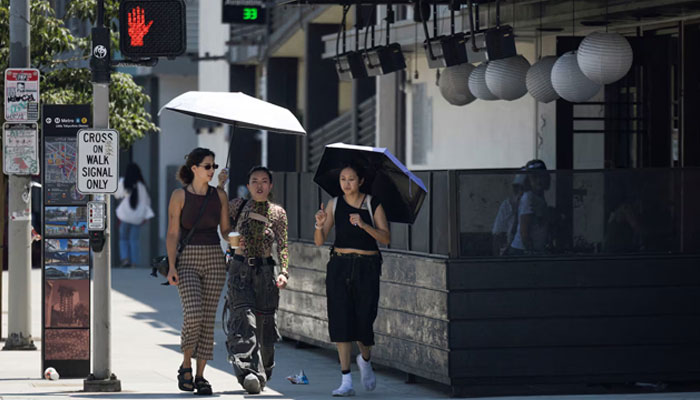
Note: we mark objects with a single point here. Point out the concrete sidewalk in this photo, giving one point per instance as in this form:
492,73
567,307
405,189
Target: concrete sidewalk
145,356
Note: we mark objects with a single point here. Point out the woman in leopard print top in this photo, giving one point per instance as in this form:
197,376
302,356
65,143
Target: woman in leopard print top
253,290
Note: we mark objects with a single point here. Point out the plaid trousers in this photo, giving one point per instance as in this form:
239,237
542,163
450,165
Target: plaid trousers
202,273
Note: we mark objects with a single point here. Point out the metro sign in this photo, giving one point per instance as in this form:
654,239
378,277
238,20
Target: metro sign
152,28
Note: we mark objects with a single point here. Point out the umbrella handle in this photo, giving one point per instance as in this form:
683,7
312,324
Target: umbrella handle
230,145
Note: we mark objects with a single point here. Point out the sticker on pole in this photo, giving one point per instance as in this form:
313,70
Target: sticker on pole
98,160
20,148
21,94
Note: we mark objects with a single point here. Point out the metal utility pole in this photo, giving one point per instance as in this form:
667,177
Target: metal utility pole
102,379
19,336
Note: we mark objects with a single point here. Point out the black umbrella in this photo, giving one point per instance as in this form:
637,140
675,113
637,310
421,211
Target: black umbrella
400,192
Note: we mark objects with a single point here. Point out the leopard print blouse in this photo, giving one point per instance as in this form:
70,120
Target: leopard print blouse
257,237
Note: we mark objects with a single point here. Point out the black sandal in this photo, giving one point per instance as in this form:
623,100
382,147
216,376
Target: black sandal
182,381
202,385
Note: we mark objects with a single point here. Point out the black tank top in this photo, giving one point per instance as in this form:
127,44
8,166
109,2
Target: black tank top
206,233
348,236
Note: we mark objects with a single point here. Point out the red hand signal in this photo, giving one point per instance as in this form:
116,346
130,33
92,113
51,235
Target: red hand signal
137,26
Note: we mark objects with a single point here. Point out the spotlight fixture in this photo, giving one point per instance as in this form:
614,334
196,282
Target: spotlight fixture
380,60
349,66
500,43
446,51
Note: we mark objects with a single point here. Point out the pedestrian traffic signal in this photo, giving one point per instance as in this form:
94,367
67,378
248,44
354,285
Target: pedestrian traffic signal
243,14
152,28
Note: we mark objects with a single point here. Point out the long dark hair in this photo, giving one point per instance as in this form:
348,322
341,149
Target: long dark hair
131,179
185,174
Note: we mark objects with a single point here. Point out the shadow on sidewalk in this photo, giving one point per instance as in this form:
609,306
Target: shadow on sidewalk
320,365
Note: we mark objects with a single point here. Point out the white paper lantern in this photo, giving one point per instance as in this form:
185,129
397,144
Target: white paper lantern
604,57
505,78
569,82
477,83
539,80
454,84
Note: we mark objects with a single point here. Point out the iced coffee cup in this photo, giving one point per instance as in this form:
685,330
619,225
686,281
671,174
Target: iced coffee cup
233,239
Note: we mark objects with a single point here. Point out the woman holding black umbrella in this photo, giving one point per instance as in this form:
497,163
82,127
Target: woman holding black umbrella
352,278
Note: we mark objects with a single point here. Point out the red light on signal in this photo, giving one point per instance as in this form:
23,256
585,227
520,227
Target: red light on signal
137,26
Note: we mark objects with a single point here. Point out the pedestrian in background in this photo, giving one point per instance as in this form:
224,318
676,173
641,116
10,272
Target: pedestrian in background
133,211
200,270
253,287
532,233
352,275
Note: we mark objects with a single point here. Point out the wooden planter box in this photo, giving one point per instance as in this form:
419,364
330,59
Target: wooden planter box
522,325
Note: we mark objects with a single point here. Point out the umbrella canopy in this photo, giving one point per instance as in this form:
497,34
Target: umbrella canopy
237,109
400,192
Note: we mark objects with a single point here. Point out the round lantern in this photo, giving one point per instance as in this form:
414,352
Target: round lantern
477,83
539,80
505,78
454,84
604,57
569,82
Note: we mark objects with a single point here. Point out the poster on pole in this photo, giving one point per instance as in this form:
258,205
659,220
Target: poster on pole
21,94
20,148
98,160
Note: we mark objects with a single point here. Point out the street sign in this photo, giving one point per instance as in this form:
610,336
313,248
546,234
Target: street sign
21,94
98,160
152,28
243,12
96,215
20,148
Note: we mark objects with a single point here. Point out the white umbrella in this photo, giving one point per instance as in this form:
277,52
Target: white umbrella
237,109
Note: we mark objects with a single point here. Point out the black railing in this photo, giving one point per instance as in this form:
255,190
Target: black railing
340,129
608,212
301,198
572,213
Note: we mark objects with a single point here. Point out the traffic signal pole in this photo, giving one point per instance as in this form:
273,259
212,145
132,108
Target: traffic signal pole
19,335
102,379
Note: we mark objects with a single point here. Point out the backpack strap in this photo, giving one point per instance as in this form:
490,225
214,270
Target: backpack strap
368,203
238,214
335,203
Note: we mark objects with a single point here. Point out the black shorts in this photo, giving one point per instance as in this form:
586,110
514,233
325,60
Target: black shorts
352,295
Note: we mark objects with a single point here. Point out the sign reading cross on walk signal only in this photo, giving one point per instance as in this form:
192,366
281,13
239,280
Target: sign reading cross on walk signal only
152,28
98,160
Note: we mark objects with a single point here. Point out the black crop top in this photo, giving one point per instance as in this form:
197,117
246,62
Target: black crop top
348,236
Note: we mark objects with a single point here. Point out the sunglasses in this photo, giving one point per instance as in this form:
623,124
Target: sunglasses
209,166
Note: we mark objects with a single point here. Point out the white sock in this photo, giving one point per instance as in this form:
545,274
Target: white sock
369,380
347,381
345,388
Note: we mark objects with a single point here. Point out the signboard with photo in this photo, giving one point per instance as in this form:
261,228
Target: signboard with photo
66,262
21,94
65,221
61,171
67,303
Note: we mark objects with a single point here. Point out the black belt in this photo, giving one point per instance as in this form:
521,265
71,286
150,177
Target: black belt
254,261
354,255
